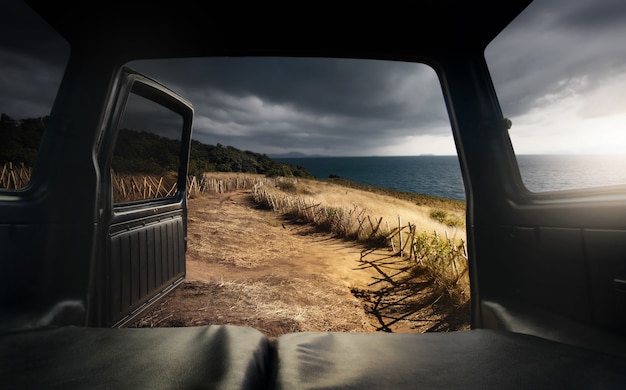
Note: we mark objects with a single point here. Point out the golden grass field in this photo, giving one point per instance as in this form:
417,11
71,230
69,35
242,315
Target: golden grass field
255,266
387,204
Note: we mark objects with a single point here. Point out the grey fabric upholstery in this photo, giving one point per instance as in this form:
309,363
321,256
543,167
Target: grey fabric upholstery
215,357
230,357
481,359
518,317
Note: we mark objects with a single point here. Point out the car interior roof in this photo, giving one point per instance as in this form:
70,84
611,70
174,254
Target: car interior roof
189,29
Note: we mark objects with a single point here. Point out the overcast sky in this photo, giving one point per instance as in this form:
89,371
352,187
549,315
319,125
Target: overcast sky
559,71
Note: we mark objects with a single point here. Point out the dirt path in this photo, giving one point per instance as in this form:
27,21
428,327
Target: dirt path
247,266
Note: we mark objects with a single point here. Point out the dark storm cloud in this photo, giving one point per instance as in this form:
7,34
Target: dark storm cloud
348,105
570,47
586,16
339,106
545,55
31,66
336,86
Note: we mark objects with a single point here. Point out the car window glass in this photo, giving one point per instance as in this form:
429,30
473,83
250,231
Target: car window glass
30,76
147,155
560,77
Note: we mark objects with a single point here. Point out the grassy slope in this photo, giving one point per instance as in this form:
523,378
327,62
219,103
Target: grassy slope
418,199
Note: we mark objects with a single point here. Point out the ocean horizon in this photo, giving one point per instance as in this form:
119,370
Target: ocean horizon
439,175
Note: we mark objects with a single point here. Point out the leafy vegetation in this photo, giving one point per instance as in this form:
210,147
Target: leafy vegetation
446,262
287,186
219,158
141,152
20,139
442,216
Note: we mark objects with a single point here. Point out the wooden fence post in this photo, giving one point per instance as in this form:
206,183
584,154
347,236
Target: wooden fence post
400,234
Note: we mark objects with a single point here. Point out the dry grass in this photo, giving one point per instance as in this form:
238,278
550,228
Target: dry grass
382,205
273,305
252,267
300,300
433,237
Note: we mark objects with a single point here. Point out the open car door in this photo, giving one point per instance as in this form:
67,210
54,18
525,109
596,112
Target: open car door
143,153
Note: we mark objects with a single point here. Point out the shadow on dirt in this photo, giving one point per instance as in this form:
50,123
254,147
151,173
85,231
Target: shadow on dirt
403,299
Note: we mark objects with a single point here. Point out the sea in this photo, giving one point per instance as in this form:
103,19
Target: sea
441,175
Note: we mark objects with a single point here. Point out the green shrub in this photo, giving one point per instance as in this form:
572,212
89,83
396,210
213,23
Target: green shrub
454,221
439,215
287,186
447,219
446,262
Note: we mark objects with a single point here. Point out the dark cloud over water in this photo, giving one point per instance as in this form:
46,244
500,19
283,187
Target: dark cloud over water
554,55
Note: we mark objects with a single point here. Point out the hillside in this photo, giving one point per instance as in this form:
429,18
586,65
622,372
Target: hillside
145,152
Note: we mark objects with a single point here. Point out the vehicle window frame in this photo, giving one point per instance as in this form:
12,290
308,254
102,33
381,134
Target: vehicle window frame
150,89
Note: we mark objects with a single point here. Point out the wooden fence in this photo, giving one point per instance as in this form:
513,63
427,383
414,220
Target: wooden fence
14,176
444,258
221,185
355,223
350,223
136,187
132,187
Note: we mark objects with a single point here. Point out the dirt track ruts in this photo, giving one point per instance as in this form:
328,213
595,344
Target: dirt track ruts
248,266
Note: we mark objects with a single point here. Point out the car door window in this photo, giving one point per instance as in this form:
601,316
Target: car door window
147,156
